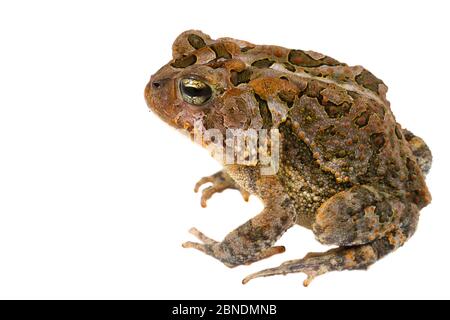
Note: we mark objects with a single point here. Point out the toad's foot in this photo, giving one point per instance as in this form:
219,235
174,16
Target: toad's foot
228,252
313,265
358,257
220,182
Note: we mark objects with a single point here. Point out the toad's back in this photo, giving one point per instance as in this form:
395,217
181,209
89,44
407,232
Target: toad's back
340,112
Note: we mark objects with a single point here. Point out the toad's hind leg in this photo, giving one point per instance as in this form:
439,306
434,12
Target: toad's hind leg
420,150
358,215
366,225
339,259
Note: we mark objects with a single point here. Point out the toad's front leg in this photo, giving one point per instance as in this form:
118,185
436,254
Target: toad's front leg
253,240
250,242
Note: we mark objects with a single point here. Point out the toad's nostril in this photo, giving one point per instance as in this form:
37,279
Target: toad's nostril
156,84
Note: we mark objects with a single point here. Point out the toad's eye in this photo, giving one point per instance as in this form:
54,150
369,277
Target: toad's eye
195,92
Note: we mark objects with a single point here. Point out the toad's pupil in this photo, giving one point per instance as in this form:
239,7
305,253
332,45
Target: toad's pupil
195,92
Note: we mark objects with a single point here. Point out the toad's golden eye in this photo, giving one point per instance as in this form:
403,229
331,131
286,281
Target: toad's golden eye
194,91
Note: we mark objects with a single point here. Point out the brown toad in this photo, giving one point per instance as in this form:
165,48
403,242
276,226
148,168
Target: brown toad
347,170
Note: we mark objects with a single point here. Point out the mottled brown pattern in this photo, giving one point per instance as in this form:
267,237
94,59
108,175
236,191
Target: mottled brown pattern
184,62
368,80
196,41
301,58
348,171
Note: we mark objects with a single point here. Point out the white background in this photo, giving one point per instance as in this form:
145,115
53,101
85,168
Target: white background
96,193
